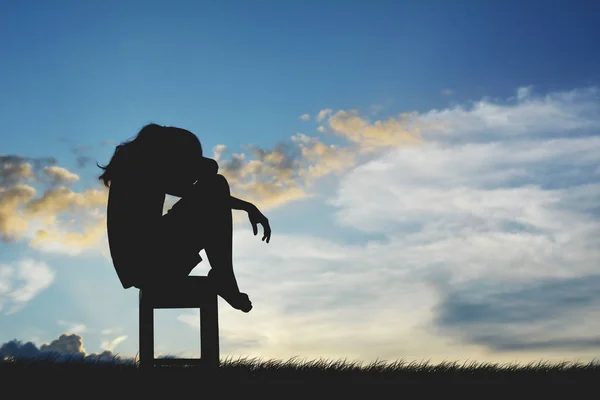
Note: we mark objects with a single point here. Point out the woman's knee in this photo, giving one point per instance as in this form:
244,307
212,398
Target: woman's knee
220,185
214,186
208,196
221,180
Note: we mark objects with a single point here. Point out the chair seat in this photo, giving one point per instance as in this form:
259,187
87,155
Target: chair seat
193,292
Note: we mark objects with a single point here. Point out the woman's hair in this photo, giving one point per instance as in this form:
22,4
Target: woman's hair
152,143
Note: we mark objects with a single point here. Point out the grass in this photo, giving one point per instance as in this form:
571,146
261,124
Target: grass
245,370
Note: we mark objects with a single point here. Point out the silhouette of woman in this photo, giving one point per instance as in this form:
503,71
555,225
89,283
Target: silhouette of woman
149,248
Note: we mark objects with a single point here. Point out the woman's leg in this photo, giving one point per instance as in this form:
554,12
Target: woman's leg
203,219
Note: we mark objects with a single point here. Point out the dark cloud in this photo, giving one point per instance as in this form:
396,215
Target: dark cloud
81,148
65,348
80,151
482,313
524,303
284,156
84,161
233,166
279,165
14,168
16,349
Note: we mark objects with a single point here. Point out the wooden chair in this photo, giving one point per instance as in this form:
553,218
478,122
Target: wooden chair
196,292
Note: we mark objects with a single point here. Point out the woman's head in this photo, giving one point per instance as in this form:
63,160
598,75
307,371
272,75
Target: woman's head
156,151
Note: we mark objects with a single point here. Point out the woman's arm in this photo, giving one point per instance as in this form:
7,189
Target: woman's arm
238,204
254,215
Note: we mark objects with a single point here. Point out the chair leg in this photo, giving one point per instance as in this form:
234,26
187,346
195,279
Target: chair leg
209,332
146,333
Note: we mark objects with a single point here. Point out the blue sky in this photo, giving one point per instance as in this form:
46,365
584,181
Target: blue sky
457,204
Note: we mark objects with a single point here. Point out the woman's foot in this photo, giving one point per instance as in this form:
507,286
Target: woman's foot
239,301
227,289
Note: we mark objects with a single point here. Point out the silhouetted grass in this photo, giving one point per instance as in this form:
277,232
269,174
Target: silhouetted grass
253,370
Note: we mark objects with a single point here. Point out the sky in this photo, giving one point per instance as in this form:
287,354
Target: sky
430,171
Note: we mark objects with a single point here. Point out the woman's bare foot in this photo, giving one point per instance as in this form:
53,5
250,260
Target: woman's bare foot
240,301
227,289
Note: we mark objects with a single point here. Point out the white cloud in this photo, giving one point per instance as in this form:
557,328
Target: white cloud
60,219
469,203
370,136
21,282
323,114
70,344
110,331
15,168
110,345
447,92
273,177
524,92
73,327
305,117
72,237
552,114
478,218
315,298
286,173
494,209
12,221
60,176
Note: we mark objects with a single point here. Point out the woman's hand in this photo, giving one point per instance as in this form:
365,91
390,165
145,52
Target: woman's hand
256,217
254,214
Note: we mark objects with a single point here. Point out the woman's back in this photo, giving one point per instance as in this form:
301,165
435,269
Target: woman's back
158,161
133,221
